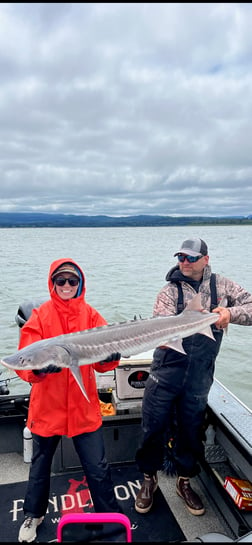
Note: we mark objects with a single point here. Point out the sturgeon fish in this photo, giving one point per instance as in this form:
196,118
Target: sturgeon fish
128,338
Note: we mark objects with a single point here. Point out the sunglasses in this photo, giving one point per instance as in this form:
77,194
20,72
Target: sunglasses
190,258
61,280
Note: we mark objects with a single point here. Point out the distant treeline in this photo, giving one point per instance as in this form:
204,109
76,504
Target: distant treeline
11,219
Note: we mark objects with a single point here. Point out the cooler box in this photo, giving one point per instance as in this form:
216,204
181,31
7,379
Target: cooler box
122,437
130,378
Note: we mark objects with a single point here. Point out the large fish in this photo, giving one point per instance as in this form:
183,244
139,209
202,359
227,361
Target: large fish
129,338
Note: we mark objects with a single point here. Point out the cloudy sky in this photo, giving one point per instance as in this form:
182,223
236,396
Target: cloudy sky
124,109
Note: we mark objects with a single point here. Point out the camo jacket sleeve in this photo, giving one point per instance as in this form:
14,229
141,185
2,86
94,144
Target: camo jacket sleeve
238,300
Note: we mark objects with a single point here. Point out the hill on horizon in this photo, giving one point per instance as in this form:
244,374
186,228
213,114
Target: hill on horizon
38,219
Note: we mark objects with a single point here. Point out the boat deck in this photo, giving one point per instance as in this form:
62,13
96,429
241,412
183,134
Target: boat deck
13,469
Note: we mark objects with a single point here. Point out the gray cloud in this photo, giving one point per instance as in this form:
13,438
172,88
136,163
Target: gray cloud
124,109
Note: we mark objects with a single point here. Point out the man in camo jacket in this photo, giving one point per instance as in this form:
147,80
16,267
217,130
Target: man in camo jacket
178,384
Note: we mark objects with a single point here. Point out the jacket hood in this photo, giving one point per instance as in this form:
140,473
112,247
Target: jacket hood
174,274
55,265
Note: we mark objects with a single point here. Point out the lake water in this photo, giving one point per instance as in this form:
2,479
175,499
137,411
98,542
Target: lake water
125,268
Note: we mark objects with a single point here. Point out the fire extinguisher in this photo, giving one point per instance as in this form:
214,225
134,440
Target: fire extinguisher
27,445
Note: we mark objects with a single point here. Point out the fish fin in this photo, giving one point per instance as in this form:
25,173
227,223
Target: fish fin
223,302
176,345
194,304
208,333
75,370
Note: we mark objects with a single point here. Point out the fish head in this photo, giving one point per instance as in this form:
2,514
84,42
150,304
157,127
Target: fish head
35,358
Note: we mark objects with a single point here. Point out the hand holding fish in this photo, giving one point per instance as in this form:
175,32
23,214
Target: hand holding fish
47,370
224,317
116,356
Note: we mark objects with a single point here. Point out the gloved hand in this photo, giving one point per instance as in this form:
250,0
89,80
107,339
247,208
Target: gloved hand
47,370
116,356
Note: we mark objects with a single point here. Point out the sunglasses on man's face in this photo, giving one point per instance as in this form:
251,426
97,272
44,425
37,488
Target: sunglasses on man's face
61,280
190,258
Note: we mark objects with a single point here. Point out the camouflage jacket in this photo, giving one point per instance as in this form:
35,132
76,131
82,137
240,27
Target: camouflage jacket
239,301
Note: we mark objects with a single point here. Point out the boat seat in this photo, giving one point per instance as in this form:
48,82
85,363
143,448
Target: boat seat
25,310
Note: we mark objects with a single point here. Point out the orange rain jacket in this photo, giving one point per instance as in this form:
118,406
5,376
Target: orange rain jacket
57,405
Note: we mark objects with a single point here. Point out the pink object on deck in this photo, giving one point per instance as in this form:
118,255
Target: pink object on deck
95,518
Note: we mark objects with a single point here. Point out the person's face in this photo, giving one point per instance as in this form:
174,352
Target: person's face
192,270
66,290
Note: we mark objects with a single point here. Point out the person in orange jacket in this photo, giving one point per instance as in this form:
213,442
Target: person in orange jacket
57,406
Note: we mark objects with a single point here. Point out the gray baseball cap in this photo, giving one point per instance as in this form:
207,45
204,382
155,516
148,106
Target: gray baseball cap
194,247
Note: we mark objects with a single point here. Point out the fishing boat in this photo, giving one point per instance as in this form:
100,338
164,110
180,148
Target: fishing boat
224,482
